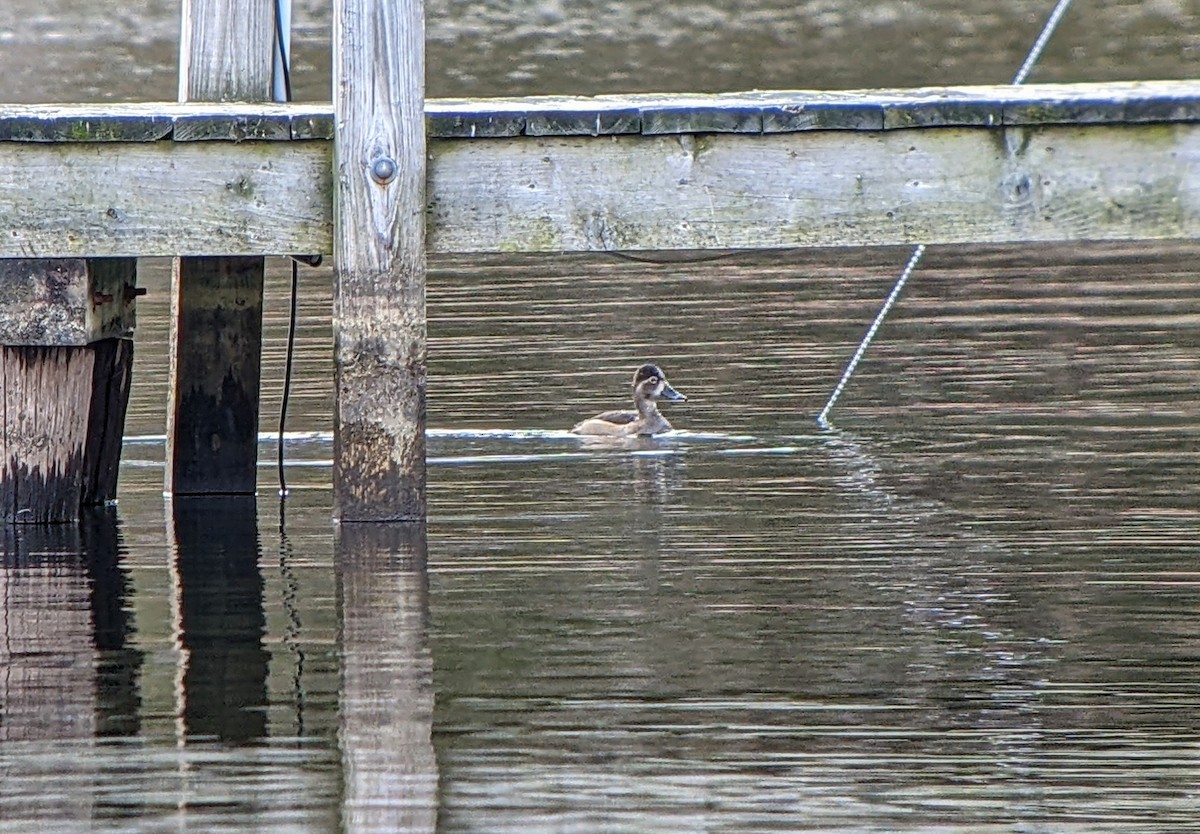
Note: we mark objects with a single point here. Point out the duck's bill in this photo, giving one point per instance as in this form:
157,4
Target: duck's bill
670,393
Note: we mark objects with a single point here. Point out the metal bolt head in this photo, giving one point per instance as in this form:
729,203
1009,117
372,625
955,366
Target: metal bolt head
383,170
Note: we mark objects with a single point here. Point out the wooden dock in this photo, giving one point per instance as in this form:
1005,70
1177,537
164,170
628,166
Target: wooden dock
380,178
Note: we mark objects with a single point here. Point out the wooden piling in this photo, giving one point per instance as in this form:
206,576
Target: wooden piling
65,361
216,336
379,259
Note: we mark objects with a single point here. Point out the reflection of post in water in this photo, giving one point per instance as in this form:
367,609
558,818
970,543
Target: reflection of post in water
65,671
220,618
63,627
386,702
118,707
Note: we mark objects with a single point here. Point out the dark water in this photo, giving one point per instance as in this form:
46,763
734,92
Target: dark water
969,607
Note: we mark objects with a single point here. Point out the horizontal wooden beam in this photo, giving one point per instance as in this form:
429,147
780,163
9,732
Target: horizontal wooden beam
771,111
989,164
715,191
164,198
153,121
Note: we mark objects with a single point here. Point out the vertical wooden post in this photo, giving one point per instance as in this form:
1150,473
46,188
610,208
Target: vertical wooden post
65,362
112,374
216,303
379,259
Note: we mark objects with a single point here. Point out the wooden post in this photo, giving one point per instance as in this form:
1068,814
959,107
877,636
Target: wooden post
379,259
216,303
65,363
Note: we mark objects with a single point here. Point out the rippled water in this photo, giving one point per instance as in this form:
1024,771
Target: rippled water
970,606
68,50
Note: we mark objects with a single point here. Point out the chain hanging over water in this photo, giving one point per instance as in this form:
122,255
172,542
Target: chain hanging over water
1035,52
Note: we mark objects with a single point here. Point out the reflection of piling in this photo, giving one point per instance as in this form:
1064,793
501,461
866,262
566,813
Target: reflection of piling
220,618
386,707
64,622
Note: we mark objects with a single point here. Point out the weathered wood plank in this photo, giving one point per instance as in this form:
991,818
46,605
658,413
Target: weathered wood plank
476,119
951,185
778,110
44,406
379,260
212,416
225,50
65,381
68,301
548,194
92,124
165,198
151,121
202,127
682,114
599,116
112,373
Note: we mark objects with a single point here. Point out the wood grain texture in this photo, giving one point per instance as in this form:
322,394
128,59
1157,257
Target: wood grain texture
44,406
760,111
66,388
716,191
551,194
44,302
212,417
112,374
225,50
66,301
165,198
233,121
379,261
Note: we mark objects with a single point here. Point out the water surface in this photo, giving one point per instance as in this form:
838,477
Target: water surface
969,606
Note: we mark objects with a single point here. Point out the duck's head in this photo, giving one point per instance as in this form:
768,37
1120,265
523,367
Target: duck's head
650,383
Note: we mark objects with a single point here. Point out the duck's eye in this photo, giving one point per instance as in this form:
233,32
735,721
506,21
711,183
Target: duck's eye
652,380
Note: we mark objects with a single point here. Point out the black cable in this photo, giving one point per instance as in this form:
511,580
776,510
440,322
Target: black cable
291,338
284,58
287,375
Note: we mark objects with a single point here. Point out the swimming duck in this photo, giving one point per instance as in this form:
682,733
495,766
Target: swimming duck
649,385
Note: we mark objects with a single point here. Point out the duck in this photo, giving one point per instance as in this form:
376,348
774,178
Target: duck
649,385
